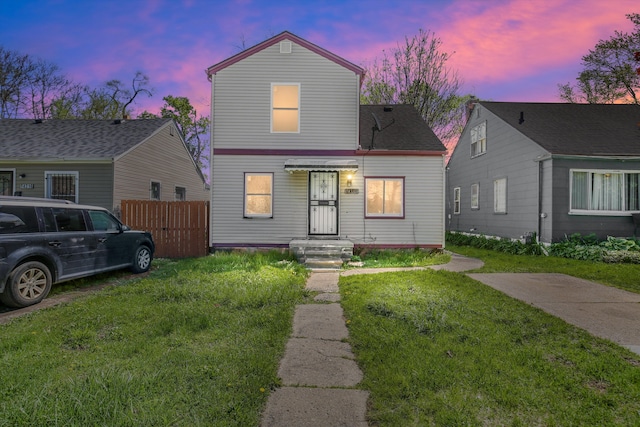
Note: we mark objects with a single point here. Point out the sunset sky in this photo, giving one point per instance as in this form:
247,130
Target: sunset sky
503,50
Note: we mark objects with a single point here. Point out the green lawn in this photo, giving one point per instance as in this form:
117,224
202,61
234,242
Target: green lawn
196,343
438,348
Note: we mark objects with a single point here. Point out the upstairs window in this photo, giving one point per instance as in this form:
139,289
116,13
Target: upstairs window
479,139
601,192
285,108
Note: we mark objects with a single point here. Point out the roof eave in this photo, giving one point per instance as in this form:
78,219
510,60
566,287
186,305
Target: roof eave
285,35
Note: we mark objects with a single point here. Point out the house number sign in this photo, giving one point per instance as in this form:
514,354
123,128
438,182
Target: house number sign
351,190
27,185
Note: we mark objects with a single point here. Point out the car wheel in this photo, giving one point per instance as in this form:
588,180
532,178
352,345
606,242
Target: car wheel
142,260
28,284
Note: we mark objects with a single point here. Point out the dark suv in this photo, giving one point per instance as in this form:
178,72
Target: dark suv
44,241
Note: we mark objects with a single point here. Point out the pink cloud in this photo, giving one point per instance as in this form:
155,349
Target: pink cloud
499,41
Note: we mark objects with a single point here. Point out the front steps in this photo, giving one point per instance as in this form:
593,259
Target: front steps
322,254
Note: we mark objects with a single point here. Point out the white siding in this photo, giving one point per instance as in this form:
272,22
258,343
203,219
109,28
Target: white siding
328,102
424,211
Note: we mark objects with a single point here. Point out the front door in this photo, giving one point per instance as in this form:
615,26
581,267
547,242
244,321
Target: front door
6,183
323,203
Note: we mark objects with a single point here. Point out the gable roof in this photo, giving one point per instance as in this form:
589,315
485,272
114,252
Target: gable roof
575,129
402,128
285,35
24,139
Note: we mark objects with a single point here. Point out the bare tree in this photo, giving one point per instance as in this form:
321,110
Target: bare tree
15,74
113,100
417,73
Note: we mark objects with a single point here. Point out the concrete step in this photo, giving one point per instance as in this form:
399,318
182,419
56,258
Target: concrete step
323,263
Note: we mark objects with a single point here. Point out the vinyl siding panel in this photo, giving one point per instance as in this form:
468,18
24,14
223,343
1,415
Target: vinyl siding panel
565,224
509,155
328,102
423,221
163,158
424,210
95,180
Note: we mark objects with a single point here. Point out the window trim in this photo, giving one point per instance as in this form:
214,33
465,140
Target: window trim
475,199
184,192
245,195
151,182
272,108
401,215
47,183
456,201
623,212
475,142
495,196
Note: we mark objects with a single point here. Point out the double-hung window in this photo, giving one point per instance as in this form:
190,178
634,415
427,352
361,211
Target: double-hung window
62,185
258,195
602,192
385,197
500,195
285,107
479,139
154,190
456,200
475,196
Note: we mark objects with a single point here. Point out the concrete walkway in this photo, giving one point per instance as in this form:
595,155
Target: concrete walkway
319,373
318,370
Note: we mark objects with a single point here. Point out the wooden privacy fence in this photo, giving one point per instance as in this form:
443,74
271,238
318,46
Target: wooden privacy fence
180,229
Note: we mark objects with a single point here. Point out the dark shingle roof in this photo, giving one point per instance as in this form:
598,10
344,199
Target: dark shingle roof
73,139
402,129
575,129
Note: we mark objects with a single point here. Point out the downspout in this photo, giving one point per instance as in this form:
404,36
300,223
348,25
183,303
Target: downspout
211,78
539,230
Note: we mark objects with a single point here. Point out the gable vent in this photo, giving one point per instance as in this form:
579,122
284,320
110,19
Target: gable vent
285,46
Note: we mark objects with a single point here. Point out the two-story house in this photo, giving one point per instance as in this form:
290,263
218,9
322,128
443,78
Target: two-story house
296,158
551,169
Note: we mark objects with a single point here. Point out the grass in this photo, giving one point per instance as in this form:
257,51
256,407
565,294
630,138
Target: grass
378,258
196,342
438,348
623,276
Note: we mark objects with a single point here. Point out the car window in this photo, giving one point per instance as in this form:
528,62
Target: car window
18,219
102,221
69,219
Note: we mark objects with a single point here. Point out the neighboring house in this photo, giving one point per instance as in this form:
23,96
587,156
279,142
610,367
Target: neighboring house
98,162
295,156
549,169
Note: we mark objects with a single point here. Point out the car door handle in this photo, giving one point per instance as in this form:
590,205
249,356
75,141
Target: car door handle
102,239
55,243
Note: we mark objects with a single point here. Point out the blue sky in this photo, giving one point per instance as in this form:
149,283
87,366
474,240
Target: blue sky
503,50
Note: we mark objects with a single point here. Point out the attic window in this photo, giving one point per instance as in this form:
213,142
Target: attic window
285,46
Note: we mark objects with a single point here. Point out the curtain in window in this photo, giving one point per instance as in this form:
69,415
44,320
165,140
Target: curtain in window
633,192
606,191
579,190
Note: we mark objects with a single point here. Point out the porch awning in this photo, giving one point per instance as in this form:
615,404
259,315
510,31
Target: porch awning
293,165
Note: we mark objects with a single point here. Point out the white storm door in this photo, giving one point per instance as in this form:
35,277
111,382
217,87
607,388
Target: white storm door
323,203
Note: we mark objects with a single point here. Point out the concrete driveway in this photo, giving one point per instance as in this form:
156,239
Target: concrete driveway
603,311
